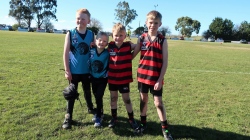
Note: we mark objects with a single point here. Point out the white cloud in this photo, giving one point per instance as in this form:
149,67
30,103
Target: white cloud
8,20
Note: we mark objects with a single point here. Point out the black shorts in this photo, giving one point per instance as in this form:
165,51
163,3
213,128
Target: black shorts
83,78
145,88
124,88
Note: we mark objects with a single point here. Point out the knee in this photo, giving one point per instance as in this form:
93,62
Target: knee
158,104
127,101
144,99
113,98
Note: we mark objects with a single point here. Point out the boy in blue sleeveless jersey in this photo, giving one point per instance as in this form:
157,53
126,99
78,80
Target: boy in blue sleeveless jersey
76,61
99,57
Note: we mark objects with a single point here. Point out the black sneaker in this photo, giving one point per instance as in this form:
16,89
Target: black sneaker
92,111
141,128
113,123
67,122
133,123
167,135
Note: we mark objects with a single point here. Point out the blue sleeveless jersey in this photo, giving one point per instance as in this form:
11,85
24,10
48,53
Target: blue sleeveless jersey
79,52
99,63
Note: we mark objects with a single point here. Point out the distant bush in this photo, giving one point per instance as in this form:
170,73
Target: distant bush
14,27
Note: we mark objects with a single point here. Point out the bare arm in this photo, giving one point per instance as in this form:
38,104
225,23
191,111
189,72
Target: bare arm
133,46
92,44
136,49
66,56
158,84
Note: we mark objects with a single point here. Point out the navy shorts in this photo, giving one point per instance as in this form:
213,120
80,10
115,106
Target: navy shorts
124,88
145,88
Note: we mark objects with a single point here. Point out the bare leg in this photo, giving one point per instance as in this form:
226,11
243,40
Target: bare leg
160,108
127,102
143,103
113,99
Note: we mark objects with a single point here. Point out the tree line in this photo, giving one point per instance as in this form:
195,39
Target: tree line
25,11
224,28
43,11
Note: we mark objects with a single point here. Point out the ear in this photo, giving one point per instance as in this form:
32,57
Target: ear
160,24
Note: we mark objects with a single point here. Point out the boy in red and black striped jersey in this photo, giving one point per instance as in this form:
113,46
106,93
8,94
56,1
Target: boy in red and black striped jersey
151,70
120,73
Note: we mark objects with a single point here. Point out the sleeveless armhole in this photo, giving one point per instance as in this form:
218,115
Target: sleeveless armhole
93,36
70,37
163,39
142,38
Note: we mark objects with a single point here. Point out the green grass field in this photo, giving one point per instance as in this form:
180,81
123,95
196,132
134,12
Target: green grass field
206,92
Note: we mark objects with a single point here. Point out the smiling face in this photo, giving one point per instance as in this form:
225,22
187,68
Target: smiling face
153,21
119,37
118,34
153,25
82,20
102,42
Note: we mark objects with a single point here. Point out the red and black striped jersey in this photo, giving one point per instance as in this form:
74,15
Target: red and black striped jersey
120,63
151,59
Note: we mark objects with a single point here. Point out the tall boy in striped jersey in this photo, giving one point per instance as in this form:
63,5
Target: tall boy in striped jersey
120,73
151,70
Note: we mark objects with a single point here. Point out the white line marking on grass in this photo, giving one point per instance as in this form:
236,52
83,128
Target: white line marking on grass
211,71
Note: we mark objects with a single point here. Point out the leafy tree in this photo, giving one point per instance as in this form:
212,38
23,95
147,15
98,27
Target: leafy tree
47,25
94,29
236,33
221,28
15,27
25,10
95,23
228,29
21,10
187,25
44,9
165,30
28,13
124,14
216,27
244,30
139,30
207,34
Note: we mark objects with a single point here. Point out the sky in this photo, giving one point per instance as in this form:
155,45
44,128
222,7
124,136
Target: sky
104,10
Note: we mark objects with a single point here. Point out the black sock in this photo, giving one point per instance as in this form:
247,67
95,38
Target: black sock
131,115
164,125
114,113
144,120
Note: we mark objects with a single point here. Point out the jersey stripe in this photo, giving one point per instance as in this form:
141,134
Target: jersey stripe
120,63
150,60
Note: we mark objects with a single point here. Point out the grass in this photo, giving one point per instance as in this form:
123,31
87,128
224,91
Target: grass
206,92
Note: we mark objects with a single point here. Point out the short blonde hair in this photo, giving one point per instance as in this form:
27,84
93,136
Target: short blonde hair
84,11
118,27
154,15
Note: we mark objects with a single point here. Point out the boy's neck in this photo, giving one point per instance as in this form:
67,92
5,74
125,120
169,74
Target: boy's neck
118,45
152,33
81,30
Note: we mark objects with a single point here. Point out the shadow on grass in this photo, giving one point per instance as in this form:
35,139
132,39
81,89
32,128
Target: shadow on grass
190,132
123,129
